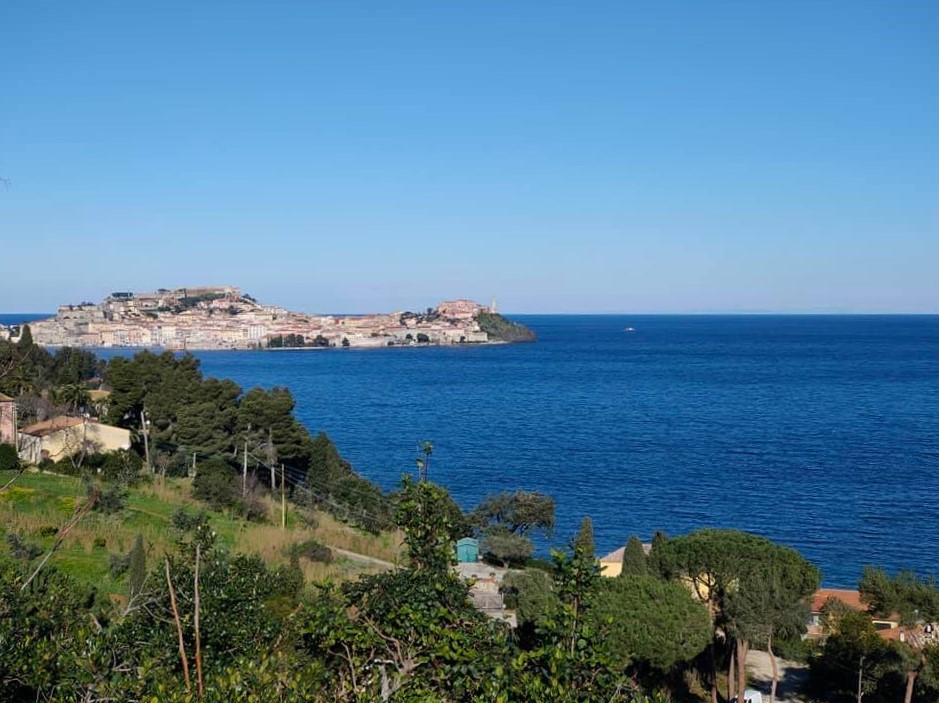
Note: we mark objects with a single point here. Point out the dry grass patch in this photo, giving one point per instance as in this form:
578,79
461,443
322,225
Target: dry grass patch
270,542
386,546
176,491
340,570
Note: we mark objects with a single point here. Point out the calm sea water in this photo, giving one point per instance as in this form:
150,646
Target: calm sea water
820,432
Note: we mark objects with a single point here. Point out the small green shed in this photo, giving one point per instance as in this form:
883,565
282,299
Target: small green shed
467,550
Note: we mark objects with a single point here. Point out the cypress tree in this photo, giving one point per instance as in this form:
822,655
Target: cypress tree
137,570
634,558
583,542
26,338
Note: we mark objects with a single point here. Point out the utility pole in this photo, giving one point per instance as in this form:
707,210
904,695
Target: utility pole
244,469
145,428
283,500
270,459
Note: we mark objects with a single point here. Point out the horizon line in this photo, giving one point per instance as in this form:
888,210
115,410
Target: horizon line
680,313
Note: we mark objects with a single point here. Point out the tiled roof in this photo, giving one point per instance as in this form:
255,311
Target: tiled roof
46,427
850,598
617,555
892,633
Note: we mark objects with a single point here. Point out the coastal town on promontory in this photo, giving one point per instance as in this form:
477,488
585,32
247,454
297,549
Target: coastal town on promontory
222,317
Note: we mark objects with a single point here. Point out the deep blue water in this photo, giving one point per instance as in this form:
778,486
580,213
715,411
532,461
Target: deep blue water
821,432
18,318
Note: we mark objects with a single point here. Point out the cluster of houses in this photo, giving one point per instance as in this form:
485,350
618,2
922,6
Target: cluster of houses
59,437
223,318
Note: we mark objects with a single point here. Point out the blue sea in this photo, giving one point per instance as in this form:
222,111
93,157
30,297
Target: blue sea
820,432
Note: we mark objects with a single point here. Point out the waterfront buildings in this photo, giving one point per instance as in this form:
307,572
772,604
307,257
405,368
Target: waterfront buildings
224,318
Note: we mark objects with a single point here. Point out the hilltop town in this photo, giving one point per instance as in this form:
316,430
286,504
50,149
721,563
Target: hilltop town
222,317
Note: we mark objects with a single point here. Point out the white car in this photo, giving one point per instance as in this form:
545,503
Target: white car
749,696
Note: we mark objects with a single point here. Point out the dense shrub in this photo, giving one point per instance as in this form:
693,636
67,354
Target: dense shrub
251,505
529,592
118,564
112,499
215,484
795,649
123,466
311,550
8,458
21,549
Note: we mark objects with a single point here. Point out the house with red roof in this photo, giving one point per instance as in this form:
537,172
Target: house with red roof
887,627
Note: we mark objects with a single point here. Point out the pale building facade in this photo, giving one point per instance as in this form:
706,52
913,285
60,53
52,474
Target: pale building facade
7,420
62,437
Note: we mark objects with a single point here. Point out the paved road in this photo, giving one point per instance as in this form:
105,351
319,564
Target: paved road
792,676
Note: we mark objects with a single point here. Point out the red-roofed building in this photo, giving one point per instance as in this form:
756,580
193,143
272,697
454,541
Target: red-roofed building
888,628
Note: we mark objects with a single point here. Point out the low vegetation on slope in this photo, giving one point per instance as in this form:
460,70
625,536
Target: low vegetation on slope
34,509
502,329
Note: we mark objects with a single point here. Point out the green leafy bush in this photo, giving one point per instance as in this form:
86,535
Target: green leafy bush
112,499
795,648
118,564
214,484
9,461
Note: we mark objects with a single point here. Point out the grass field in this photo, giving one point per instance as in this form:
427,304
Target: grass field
39,504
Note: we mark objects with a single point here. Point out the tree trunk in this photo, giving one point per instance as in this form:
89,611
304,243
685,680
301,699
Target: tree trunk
179,627
910,682
772,661
196,625
731,682
713,673
741,669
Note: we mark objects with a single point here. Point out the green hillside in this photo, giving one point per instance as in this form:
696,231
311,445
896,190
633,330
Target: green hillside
502,329
37,505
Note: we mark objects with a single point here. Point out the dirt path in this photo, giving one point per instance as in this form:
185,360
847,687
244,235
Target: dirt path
792,676
363,558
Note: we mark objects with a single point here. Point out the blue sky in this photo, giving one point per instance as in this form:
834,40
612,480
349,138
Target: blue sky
565,157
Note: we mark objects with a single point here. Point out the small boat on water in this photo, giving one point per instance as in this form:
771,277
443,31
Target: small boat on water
630,329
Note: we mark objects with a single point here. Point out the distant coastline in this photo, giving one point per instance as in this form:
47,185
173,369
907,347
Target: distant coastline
209,318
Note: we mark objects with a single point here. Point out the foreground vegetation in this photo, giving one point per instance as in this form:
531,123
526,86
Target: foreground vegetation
261,618
123,578
34,508
198,622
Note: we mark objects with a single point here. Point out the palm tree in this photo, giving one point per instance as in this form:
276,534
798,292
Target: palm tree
20,382
74,396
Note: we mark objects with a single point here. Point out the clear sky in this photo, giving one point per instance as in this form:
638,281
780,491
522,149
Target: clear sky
345,156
